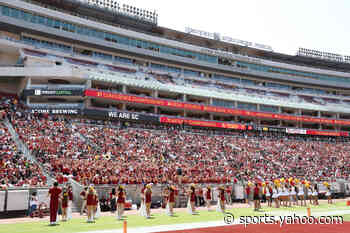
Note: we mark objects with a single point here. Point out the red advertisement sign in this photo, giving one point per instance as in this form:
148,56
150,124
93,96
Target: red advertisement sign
206,108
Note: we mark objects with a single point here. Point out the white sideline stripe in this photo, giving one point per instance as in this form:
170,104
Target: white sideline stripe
187,226
173,227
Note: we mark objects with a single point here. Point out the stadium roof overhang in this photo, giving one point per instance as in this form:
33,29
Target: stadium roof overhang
16,26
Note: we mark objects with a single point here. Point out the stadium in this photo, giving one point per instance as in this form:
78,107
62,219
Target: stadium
102,110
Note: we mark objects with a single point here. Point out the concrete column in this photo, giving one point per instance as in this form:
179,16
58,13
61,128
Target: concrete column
155,93
88,84
124,89
211,116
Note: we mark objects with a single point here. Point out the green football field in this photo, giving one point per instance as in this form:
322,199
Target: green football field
109,222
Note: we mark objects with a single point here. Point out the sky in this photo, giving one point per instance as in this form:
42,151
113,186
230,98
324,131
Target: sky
285,25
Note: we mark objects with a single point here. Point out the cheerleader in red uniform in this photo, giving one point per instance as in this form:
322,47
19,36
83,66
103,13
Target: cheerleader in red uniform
171,200
65,199
191,199
90,203
208,197
148,200
221,199
120,201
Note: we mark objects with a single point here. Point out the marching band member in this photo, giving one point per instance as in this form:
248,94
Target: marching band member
221,199
120,201
54,194
191,199
208,197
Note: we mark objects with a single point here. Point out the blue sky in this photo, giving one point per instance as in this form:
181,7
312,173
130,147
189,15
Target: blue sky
285,25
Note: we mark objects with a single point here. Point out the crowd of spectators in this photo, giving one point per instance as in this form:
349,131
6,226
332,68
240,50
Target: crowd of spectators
106,153
15,169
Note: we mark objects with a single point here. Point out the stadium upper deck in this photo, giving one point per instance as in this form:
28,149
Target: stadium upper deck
63,43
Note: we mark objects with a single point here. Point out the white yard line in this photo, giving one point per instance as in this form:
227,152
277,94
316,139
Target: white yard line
187,226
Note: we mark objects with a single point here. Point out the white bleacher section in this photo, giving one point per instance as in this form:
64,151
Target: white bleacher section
139,80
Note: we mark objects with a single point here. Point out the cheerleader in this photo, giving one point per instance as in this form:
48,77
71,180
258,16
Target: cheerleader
256,197
309,194
65,199
289,196
97,208
221,199
148,200
120,201
171,200
301,196
329,195
247,193
113,200
143,207
70,202
191,199
293,193
275,197
269,194
83,196
315,195
90,203
208,197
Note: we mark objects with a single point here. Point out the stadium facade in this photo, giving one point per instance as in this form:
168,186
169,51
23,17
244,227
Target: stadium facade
72,57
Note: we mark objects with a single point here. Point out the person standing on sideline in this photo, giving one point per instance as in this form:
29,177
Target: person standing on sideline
191,199
120,201
54,194
83,196
221,199
208,197
90,204
171,200
148,200
65,199
70,202
113,200
256,197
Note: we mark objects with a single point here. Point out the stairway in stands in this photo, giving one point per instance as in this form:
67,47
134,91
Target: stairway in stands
26,152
